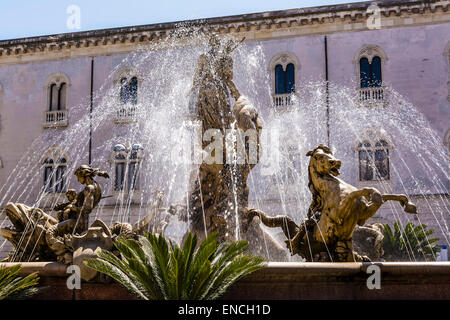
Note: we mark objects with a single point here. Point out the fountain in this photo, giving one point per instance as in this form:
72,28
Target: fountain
215,191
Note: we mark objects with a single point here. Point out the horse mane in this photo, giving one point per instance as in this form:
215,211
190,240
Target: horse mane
317,201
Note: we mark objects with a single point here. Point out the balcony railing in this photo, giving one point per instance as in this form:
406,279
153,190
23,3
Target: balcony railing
56,118
282,100
373,95
126,113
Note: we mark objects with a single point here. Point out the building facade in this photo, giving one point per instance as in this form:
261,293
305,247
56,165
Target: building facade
54,91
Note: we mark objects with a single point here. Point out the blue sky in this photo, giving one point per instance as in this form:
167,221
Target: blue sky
26,18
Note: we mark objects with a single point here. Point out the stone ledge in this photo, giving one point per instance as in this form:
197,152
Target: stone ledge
284,280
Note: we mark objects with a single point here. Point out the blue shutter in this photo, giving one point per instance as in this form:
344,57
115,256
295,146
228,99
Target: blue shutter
133,90
123,91
290,78
279,80
364,69
376,72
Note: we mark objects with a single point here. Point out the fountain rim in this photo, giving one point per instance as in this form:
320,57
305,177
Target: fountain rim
55,269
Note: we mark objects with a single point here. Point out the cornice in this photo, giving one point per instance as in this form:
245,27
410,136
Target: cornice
256,26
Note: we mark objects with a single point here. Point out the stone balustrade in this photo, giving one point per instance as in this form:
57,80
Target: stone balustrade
57,118
373,95
282,100
126,113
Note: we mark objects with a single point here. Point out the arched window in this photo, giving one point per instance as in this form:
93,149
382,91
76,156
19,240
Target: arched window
370,73
55,172
57,92
127,84
373,159
370,60
284,79
55,114
129,91
127,165
283,67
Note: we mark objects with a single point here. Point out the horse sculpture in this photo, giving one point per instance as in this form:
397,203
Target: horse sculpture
336,208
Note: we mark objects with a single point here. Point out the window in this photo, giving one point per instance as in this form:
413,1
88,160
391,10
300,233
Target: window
373,161
57,92
127,84
370,73
283,68
55,114
369,61
284,79
127,166
57,97
55,174
128,91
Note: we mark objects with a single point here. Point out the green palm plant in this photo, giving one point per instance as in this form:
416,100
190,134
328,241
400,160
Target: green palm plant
154,268
12,286
412,242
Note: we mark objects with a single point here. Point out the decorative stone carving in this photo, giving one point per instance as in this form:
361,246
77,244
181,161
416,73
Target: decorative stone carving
283,59
98,237
370,51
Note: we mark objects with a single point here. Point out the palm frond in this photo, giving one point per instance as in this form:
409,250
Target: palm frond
409,242
154,267
12,286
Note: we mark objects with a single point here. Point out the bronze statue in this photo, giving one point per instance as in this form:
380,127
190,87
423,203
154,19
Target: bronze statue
213,85
76,212
218,198
38,236
336,208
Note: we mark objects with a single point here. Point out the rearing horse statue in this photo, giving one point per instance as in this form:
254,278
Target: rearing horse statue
336,208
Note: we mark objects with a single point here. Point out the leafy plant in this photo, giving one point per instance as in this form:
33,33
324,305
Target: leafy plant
12,286
411,243
155,268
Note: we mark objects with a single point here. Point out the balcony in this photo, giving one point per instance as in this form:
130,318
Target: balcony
282,100
126,113
56,118
373,95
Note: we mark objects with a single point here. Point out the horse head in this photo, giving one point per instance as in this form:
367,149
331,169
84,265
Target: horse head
323,162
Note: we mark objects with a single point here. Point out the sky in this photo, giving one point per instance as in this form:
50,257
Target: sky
27,18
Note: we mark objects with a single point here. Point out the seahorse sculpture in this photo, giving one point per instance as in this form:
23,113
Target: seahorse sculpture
336,208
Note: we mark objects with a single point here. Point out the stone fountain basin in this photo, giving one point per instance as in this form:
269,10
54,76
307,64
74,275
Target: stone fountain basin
282,280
